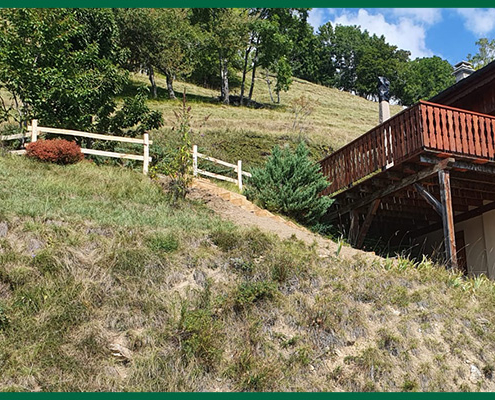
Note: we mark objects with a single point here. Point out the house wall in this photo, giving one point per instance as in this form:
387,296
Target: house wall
489,234
479,236
474,236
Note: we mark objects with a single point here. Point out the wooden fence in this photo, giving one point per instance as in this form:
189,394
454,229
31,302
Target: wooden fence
237,168
34,131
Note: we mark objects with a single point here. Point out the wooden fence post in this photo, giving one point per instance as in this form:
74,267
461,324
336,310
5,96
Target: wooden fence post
34,132
195,160
146,155
239,174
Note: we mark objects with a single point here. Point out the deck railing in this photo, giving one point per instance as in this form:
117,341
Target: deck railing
422,127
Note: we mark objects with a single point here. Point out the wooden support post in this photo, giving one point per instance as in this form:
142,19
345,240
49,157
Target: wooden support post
146,153
195,160
354,227
447,218
429,198
34,132
367,222
239,174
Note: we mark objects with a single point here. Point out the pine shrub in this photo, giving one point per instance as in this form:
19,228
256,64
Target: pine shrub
59,151
290,183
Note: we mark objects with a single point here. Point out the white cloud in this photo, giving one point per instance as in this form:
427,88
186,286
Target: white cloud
317,18
478,20
406,34
427,16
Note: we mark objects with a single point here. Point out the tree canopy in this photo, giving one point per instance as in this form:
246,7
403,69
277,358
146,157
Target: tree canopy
67,65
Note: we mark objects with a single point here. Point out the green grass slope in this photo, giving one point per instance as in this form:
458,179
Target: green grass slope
231,133
106,287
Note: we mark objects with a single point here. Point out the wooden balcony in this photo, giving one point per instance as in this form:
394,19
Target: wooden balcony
424,128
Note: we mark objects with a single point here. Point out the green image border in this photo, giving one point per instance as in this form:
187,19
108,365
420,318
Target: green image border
247,3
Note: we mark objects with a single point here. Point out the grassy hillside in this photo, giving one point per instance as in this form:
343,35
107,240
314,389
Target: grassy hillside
250,133
232,133
105,286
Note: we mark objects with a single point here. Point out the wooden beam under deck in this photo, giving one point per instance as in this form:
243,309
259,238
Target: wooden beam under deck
423,174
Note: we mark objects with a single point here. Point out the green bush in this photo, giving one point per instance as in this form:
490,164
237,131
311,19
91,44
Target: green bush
290,183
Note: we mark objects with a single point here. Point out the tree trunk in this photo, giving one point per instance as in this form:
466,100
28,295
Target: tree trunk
224,91
253,75
151,75
268,82
244,73
170,87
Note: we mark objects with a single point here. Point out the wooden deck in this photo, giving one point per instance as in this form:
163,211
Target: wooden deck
427,168
423,128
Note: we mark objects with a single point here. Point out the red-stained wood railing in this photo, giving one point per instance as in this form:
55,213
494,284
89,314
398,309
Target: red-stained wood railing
422,127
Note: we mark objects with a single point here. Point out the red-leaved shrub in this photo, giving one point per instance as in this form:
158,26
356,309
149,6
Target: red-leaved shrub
58,151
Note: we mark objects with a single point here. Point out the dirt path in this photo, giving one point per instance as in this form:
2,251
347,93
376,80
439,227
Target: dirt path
238,209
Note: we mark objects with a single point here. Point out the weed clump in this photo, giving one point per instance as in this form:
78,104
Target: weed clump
4,319
248,293
167,243
200,337
224,239
58,151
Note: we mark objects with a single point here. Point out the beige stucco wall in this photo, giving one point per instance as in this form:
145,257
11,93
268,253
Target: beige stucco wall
479,236
489,234
475,244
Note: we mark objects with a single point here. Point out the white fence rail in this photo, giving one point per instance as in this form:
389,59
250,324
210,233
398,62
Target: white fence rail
34,131
237,168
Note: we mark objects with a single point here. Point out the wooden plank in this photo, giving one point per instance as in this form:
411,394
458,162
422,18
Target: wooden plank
489,138
216,176
424,126
18,152
469,133
146,153
445,133
476,135
400,141
447,218
367,222
484,150
112,154
450,131
34,130
461,165
195,160
423,174
416,138
438,129
457,132
88,135
431,127
410,126
15,136
239,174
216,161
464,133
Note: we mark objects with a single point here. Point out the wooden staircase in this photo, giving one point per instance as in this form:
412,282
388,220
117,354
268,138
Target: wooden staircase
240,201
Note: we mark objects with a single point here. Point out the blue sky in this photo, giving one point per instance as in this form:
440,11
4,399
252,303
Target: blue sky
446,32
